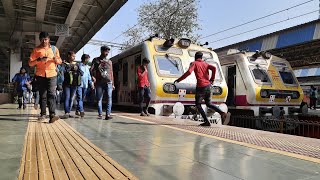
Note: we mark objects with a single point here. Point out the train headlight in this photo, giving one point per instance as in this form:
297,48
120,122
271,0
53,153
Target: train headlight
216,90
169,88
295,95
184,43
264,93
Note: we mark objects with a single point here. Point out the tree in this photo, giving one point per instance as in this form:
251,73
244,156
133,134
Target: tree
168,18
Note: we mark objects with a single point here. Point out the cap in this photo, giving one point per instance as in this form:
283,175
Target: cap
104,48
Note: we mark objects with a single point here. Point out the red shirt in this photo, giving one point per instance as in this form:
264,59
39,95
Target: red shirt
142,77
201,70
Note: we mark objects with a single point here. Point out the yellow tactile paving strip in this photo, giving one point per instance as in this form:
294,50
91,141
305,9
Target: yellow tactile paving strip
293,146
57,151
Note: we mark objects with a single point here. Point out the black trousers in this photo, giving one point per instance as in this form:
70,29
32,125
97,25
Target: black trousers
204,93
47,92
313,103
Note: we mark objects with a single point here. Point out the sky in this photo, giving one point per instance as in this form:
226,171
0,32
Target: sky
215,16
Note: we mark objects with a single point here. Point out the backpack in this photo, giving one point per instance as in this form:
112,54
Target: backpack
103,69
74,75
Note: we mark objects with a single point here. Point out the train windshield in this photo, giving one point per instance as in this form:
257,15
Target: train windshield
287,77
260,75
169,66
218,72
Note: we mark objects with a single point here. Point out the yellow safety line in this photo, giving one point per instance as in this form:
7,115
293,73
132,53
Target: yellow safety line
307,158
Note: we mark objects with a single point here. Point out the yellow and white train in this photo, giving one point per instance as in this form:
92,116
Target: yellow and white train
169,59
261,84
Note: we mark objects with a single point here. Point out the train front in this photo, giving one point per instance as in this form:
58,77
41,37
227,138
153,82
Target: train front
172,59
277,91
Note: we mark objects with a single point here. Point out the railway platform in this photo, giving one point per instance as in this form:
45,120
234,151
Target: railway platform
134,147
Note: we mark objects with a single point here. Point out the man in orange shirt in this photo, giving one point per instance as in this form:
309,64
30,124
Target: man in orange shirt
46,57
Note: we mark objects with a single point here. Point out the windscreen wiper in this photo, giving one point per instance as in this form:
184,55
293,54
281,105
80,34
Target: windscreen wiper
262,72
175,63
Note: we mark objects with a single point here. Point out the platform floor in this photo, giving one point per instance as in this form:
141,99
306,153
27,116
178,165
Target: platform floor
163,148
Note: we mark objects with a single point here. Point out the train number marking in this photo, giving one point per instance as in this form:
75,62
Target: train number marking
272,97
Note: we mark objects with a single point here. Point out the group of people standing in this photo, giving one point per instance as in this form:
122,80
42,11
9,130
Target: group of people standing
52,75
70,78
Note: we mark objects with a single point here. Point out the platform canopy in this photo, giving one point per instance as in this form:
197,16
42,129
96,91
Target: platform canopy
22,20
300,45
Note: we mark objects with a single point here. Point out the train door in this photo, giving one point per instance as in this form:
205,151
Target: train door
231,82
137,63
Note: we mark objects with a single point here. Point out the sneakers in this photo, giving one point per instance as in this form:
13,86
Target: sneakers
225,118
53,118
42,117
108,117
81,114
99,116
35,106
143,114
207,123
67,115
24,106
147,113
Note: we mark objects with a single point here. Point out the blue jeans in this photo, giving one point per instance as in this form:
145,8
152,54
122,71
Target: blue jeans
68,92
81,94
100,90
144,92
22,97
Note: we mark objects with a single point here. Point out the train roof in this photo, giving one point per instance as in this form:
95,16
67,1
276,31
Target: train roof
156,41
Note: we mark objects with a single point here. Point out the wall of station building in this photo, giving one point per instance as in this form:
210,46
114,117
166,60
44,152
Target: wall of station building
296,35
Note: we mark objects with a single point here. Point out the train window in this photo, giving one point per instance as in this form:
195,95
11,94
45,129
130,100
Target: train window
171,50
258,60
287,77
169,66
206,55
260,75
218,72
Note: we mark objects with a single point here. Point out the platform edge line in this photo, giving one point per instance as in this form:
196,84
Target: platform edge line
298,156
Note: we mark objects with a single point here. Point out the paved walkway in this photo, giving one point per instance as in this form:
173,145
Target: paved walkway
154,148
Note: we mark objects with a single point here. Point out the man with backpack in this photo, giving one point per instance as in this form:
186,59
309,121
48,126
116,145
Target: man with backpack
102,74
21,82
46,57
72,80
203,89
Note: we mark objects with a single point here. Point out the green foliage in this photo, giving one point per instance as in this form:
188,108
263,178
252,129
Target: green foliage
168,18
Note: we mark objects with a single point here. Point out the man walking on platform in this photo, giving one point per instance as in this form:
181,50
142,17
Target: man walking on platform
102,74
72,80
46,57
203,92
143,86
85,82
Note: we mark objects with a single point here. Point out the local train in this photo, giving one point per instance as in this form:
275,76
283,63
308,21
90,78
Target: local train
169,59
261,84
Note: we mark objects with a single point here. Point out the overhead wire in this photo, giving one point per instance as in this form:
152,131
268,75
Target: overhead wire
263,17
278,22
